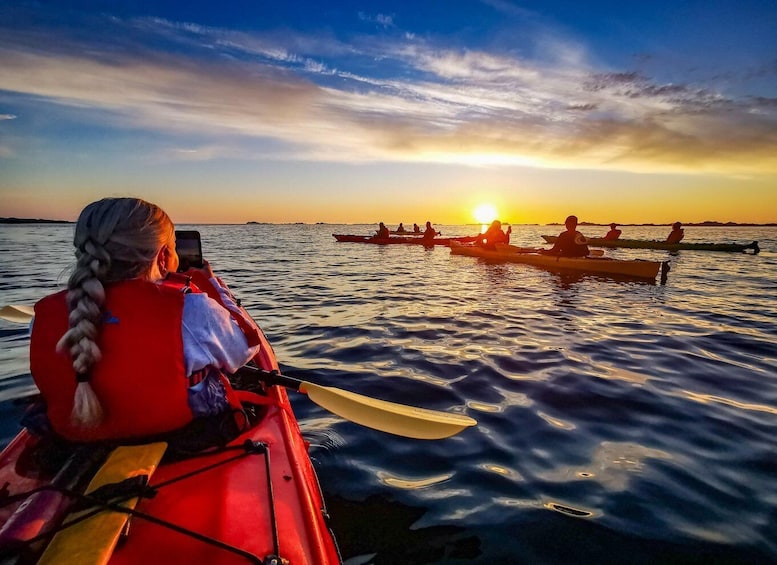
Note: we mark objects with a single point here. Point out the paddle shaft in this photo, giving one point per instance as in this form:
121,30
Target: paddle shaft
273,377
516,249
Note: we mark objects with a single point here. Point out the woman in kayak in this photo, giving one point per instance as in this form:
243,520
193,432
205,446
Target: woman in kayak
677,233
127,351
614,232
383,232
570,243
493,235
430,232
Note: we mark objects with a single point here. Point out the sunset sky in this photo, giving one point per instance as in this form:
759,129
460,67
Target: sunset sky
350,112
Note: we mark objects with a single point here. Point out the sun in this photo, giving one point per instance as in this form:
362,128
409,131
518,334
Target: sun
485,213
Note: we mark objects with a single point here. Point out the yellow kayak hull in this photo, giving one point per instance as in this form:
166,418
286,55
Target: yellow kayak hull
635,268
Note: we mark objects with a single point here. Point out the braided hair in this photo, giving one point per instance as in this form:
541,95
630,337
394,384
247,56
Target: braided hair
116,239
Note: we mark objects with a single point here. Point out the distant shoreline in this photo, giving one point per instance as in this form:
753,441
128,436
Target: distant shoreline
32,221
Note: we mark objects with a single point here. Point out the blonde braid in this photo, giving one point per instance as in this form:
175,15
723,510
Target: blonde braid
116,239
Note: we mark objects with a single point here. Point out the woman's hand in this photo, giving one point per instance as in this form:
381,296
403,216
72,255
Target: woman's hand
205,269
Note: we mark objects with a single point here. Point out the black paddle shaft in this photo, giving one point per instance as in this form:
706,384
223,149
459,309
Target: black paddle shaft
269,377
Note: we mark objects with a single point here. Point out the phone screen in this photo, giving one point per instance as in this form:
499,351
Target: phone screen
189,249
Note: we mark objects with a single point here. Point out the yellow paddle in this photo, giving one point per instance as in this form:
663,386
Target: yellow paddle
398,419
17,313
390,417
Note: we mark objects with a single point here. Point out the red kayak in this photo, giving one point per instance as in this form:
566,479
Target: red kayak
402,240
257,500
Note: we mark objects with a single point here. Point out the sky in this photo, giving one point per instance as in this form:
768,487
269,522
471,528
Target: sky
352,112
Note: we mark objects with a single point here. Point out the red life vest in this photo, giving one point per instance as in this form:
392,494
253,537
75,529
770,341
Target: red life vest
140,381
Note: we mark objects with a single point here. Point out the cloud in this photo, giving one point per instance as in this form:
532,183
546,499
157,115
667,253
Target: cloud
319,98
764,102
634,85
582,107
504,7
382,20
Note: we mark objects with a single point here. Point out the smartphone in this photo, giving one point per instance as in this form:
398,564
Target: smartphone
189,249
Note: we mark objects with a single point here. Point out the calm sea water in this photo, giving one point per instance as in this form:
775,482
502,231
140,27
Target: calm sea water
619,422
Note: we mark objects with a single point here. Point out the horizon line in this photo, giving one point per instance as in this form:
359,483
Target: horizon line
706,223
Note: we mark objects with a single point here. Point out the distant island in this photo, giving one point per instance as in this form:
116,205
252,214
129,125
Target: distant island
706,224
276,224
32,221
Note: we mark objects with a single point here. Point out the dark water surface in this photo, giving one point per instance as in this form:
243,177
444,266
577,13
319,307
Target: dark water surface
619,421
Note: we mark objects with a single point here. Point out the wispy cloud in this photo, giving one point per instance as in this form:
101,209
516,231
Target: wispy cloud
508,8
382,20
323,99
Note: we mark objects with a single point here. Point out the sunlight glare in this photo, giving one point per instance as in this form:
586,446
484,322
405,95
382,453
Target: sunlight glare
485,213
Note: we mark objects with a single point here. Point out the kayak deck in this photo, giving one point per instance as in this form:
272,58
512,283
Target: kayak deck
635,268
263,502
256,498
648,244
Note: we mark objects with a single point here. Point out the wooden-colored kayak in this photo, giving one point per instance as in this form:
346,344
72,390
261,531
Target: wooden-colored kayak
649,244
635,268
402,240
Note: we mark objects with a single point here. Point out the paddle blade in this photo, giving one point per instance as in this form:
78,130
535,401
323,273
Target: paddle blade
398,419
18,313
